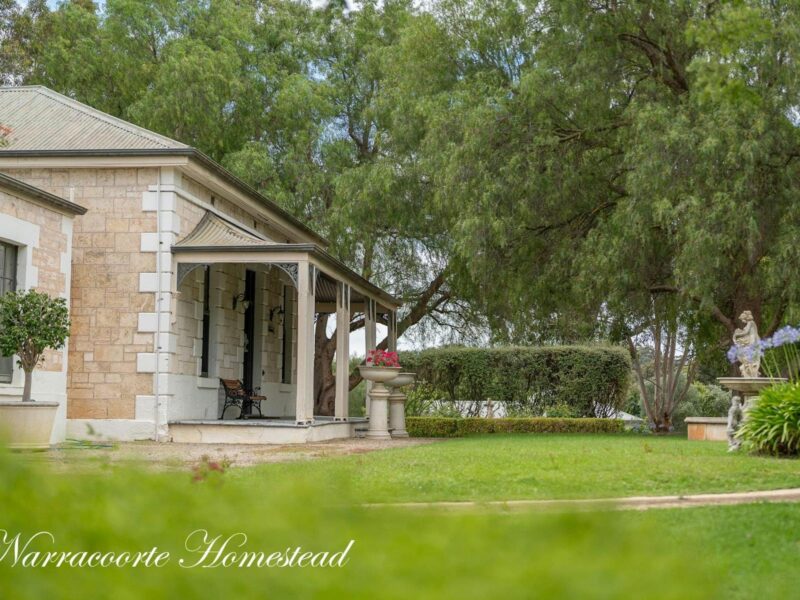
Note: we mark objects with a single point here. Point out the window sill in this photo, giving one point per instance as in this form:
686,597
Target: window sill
9,389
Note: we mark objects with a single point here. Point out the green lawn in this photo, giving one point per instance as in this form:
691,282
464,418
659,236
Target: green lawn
513,467
751,550
713,552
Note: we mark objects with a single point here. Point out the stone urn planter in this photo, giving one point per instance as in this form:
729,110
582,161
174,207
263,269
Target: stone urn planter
379,398
27,425
379,375
397,404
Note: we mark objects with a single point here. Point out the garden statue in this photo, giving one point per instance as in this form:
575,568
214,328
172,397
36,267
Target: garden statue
734,420
748,349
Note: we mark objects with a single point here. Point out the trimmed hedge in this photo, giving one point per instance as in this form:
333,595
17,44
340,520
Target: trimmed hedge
528,379
447,427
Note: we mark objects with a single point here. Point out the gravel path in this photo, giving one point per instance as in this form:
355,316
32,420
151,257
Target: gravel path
178,456
627,503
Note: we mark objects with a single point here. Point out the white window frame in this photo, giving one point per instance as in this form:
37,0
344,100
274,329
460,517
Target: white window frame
25,236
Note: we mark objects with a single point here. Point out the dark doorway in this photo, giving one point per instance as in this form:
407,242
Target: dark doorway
249,330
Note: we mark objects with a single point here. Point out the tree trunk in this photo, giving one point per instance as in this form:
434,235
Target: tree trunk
324,377
26,391
668,391
325,348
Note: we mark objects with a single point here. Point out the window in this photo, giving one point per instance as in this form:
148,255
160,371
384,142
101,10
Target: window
206,322
286,349
8,283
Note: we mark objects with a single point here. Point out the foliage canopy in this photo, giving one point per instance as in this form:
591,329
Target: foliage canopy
30,323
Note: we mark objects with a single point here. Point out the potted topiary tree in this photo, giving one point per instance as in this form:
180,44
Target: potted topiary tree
30,323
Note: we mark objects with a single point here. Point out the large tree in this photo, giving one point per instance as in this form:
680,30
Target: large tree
343,151
566,169
300,102
640,149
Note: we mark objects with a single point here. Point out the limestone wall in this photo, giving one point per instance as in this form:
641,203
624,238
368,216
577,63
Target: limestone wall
43,237
114,280
106,301
202,193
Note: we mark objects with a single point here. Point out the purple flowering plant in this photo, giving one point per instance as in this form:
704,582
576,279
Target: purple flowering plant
779,353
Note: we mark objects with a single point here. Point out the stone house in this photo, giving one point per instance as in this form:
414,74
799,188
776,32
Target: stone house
36,252
180,274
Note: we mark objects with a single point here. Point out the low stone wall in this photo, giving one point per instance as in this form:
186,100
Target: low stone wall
707,429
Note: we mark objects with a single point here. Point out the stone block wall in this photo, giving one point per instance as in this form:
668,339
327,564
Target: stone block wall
44,236
227,324
115,276
106,299
202,193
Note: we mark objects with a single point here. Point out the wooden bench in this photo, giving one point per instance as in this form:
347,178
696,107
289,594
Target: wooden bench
237,395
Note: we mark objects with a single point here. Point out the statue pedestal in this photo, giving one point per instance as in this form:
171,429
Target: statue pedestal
747,388
745,391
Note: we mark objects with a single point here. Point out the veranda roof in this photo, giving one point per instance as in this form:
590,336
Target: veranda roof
216,235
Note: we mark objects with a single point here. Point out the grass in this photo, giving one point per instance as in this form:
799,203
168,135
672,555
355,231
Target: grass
514,467
750,549
713,552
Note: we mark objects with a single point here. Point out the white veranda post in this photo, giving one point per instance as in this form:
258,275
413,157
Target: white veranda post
304,402
370,341
341,410
392,331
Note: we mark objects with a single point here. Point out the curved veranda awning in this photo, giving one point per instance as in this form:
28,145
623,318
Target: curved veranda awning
216,240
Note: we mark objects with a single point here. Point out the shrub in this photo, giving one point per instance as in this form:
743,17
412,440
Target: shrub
457,427
702,401
423,400
591,380
773,423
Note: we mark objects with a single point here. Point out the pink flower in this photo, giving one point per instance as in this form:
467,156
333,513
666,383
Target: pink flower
381,358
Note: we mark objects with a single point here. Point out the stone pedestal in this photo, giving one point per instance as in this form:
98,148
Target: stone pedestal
379,412
748,388
397,414
745,391
397,404
378,396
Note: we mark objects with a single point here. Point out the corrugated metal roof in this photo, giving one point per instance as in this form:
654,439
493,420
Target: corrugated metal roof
213,230
41,119
46,123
